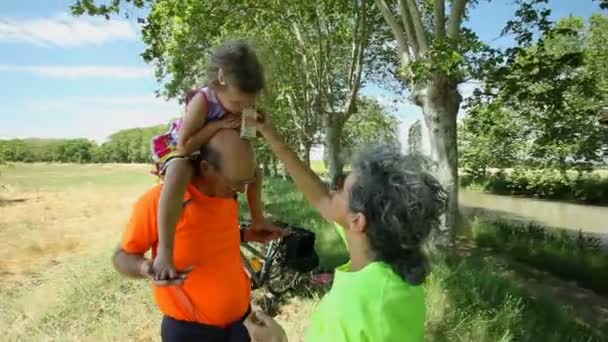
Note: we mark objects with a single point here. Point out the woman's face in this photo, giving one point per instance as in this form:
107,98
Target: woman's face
340,198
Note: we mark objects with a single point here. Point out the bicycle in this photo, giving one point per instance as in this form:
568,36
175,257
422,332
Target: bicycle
280,264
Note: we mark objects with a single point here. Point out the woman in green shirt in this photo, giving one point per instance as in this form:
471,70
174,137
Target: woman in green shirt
384,211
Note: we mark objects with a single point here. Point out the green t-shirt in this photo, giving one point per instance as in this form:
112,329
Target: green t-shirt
373,304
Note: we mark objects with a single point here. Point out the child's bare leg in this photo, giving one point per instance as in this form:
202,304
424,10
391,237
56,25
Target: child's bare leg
256,208
254,198
177,176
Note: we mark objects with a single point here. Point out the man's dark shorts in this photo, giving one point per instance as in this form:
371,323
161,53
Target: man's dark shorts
173,330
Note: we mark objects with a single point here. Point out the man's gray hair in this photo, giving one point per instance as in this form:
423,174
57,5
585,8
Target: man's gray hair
402,203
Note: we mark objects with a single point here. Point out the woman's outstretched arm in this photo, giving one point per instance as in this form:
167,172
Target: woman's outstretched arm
307,182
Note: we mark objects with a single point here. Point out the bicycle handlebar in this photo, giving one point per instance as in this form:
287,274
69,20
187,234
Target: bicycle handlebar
244,224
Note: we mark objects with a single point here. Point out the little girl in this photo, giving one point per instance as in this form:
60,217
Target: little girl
235,78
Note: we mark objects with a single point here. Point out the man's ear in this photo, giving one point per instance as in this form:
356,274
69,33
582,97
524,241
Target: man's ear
358,223
205,167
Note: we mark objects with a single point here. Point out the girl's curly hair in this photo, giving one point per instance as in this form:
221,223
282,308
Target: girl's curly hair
402,204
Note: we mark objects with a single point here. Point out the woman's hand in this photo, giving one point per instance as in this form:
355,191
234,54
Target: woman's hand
262,328
262,123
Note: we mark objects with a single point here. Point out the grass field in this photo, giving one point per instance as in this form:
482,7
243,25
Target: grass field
60,223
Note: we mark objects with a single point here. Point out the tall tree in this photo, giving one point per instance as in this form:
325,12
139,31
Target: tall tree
490,136
431,48
316,52
414,138
435,54
540,109
372,125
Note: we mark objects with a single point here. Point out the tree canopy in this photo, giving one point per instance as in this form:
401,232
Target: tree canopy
542,107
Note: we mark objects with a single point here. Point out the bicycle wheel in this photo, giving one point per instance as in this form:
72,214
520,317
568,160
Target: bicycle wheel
281,279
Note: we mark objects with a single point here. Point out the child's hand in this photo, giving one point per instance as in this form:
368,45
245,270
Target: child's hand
263,231
148,272
231,122
163,268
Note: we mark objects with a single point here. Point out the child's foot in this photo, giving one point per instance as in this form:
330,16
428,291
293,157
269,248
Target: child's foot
163,268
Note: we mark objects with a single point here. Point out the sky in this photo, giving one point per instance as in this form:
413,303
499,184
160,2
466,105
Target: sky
64,76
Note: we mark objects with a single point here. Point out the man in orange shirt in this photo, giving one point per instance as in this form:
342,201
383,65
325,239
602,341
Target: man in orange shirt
210,298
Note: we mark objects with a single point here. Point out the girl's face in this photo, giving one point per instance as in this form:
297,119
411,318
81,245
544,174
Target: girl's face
234,100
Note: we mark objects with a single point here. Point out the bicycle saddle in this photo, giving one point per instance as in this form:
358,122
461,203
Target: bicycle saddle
300,254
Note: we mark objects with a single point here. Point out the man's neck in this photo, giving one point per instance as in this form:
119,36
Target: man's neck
203,186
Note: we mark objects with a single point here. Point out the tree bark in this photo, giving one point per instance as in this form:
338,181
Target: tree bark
397,30
307,146
266,167
439,18
458,7
333,144
440,102
273,166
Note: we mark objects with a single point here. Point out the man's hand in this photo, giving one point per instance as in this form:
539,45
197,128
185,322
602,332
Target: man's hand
263,231
147,271
262,328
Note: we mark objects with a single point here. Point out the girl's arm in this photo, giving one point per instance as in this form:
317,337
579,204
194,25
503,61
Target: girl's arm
194,131
254,198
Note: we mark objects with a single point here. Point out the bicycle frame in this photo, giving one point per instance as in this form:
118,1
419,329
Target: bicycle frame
277,277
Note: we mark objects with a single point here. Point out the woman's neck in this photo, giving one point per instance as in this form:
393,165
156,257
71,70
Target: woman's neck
360,254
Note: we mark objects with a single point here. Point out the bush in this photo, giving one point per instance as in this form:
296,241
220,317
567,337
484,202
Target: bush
586,188
498,184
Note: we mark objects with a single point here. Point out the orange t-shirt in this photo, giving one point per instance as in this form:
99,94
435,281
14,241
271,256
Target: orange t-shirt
217,292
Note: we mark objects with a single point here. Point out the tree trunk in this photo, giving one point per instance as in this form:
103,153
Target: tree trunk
273,166
333,144
306,156
440,102
266,167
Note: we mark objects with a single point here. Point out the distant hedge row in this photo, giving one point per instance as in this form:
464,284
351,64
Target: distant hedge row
588,188
127,146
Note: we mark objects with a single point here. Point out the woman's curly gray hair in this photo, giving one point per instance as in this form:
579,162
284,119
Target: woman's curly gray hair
402,204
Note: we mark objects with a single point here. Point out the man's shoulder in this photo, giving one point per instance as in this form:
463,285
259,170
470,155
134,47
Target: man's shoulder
150,197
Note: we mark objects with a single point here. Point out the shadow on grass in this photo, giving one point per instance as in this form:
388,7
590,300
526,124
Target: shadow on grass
4,202
581,258
471,298
284,203
475,298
